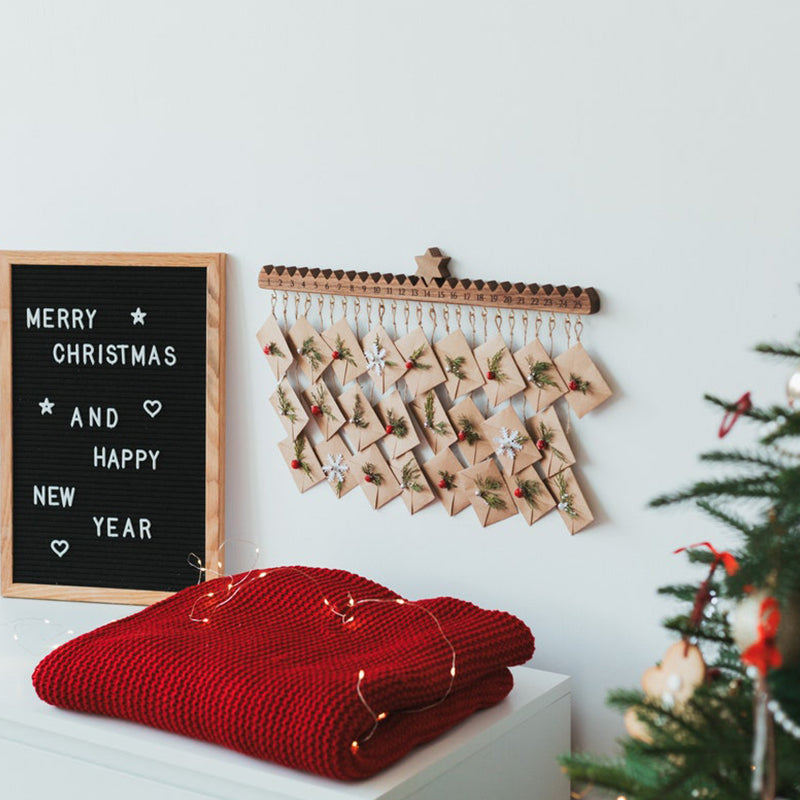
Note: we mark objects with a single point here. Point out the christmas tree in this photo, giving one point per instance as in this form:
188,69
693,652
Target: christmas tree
719,718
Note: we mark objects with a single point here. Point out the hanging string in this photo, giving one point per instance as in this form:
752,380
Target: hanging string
446,315
406,313
485,315
273,302
568,329
512,323
551,325
296,307
458,317
357,314
525,329
471,318
321,310
369,313
498,321
538,324
394,318
432,315
419,314
381,312
285,306
330,308
578,329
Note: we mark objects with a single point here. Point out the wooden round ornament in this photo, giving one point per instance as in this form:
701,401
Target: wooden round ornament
672,682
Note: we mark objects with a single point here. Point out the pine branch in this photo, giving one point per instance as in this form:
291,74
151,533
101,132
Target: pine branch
470,434
779,350
578,384
413,359
439,428
538,373
343,351
319,397
409,475
487,491
544,440
530,491
399,425
566,500
299,449
285,406
311,352
371,475
357,418
272,349
493,367
740,457
446,479
454,367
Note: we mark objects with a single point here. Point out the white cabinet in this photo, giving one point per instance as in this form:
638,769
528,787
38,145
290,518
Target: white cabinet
507,752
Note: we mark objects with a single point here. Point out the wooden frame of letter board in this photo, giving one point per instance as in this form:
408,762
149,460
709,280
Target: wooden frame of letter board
215,414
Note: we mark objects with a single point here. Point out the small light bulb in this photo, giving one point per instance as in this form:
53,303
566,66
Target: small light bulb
206,619
400,601
354,747
452,672
263,575
325,601
382,716
361,674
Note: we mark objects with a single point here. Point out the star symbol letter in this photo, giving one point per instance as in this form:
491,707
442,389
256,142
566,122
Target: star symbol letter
138,316
47,406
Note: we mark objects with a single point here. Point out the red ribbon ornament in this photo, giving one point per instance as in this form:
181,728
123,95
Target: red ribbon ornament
703,594
741,406
763,654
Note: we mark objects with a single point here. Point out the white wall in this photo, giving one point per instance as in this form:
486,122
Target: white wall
646,148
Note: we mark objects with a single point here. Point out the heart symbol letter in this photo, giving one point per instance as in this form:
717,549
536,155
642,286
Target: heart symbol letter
152,407
59,547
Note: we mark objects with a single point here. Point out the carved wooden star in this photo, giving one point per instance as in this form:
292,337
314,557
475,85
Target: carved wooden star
432,265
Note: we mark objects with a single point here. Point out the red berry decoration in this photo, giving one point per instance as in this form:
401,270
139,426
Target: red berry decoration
335,355
442,484
490,375
390,429
541,444
518,492
461,436
368,478
295,464
573,386
267,351
409,364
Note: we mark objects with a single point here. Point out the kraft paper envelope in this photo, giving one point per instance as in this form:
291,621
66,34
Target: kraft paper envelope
416,493
328,417
274,347
308,473
385,365
363,426
556,452
467,420
436,427
536,499
289,409
575,365
508,436
571,504
424,372
456,358
494,358
384,486
403,436
445,467
489,495
543,380
313,353
335,463
350,361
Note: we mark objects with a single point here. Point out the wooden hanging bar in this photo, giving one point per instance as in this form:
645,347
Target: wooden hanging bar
432,283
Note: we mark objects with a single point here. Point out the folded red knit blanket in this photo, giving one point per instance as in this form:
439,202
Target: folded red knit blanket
316,669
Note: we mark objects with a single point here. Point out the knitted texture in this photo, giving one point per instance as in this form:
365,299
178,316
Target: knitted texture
274,671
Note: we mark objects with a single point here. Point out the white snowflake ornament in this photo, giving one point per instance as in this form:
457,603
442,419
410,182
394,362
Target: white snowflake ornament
376,358
335,468
509,442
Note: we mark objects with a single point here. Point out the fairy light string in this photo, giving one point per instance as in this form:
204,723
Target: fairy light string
203,608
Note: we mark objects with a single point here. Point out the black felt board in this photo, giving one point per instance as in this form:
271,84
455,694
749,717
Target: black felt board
52,449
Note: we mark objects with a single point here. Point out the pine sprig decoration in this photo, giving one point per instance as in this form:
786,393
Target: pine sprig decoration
440,428
371,475
545,439
578,384
357,417
409,476
272,349
343,351
414,359
470,433
530,490
494,365
454,367
285,406
446,479
486,489
299,459
399,424
566,500
311,352
538,373
320,398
